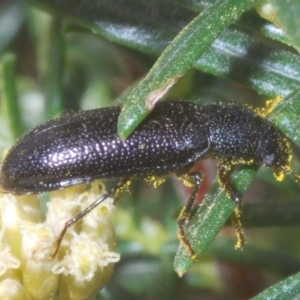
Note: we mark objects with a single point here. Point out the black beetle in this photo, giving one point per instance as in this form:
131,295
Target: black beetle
81,147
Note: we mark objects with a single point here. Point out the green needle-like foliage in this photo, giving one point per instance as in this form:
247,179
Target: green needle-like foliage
87,53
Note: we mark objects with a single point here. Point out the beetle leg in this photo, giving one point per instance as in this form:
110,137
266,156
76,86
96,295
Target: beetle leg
287,170
194,180
119,190
235,195
269,107
115,192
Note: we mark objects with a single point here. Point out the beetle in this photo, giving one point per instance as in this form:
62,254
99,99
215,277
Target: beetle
84,146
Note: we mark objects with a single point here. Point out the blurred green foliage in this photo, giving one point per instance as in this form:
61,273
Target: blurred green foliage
62,55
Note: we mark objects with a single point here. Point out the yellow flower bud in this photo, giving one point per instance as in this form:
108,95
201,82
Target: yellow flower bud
85,259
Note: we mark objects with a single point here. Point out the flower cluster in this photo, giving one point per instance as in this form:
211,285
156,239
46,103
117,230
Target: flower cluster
86,256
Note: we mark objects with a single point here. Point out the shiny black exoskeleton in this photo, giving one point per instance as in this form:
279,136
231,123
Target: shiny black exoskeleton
78,148
81,147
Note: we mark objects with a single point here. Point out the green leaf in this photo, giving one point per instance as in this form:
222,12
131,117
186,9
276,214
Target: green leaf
288,16
249,20
269,70
54,68
271,213
125,22
271,260
209,220
239,54
287,116
11,20
285,289
50,45
217,207
177,59
9,105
